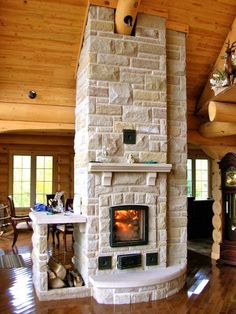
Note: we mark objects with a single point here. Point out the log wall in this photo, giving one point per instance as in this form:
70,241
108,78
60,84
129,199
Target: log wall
60,147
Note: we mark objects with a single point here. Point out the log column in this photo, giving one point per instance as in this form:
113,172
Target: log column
217,209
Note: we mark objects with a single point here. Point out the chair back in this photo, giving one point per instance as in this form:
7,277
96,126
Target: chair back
50,200
12,206
69,204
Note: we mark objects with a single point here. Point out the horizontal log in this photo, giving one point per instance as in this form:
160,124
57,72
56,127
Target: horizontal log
37,113
38,127
222,112
195,138
217,129
26,139
46,93
19,148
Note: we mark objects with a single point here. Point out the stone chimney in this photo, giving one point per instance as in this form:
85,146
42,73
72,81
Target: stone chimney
130,83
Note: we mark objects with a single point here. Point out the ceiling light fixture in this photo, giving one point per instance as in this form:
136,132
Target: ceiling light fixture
32,94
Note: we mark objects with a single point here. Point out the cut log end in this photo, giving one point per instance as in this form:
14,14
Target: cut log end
212,111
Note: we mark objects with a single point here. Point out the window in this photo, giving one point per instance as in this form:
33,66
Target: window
44,171
32,179
21,180
198,178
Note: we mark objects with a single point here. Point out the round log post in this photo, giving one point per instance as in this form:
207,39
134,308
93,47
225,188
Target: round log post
125,16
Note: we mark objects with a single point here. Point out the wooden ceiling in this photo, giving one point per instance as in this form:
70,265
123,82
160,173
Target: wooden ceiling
40,40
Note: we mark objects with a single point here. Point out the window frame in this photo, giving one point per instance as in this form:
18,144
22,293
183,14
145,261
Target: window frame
33,156
193,159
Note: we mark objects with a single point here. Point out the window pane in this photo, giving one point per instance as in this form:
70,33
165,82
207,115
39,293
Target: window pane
189,177
21,180
44,177
201,178
40,174
40,199
40,162
48,175
48,163
48,187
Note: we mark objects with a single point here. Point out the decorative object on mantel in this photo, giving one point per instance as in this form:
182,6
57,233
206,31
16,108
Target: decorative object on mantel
104,157
130,159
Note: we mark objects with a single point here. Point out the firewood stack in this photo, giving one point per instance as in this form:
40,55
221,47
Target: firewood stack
59,276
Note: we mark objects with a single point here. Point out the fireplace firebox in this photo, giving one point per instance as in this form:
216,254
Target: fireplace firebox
128,225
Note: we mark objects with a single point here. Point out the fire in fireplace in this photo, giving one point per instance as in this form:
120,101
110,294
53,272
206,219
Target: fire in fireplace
128,225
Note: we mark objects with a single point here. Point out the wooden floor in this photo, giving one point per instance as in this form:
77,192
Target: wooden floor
209,289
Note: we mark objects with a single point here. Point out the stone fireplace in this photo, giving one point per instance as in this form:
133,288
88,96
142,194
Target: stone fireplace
133,246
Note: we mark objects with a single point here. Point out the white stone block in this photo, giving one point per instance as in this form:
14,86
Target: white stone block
122,298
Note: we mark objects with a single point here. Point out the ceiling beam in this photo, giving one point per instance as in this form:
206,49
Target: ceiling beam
37,113
195,138
29,139
216,129
39,127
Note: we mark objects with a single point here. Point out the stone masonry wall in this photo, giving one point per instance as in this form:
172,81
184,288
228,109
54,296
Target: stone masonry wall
177,148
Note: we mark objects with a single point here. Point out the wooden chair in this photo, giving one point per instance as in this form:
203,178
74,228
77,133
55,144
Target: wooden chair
67,228
19,222
5,219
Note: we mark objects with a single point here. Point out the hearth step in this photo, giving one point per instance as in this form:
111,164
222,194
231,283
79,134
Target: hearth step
133,279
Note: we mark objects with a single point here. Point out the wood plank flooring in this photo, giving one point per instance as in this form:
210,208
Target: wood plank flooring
210,289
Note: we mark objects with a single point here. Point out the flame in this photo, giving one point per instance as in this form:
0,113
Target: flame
127,224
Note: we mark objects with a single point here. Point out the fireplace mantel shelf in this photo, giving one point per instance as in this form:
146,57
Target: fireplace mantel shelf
108,168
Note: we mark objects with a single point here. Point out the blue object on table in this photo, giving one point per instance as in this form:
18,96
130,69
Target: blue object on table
151,162
40,207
